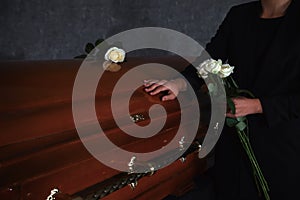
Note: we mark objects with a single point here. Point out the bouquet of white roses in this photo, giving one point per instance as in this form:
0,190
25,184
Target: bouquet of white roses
232,90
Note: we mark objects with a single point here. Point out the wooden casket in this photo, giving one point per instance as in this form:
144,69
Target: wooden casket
40,149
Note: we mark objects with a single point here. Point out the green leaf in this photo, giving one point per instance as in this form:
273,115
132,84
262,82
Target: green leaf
231,105
241,119
231,122
241,126
98,42
89,47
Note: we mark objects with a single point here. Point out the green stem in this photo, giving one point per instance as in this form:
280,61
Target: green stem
251,154
233,83
258,173
252,165
241,92
233,90
254,158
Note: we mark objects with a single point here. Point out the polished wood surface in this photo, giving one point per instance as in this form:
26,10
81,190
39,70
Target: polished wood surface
40,148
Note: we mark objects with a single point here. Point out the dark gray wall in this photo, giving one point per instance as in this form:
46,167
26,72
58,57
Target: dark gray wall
59,29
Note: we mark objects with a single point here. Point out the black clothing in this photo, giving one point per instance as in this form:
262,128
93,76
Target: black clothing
265,33
266,56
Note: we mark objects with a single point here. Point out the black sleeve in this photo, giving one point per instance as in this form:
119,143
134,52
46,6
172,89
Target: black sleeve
190,73
278,109
217,48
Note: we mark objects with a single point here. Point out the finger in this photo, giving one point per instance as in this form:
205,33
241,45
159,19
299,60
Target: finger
151,87
154,86
159,89
149,82
169,97
236,115
230,115
153,81
235,100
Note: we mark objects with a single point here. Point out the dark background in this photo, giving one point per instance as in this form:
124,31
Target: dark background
59,29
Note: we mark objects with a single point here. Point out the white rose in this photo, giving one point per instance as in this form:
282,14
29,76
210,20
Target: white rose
226,70
212,66
202,72
115,55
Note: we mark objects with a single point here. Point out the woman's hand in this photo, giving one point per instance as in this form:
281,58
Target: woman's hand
172,87
245,106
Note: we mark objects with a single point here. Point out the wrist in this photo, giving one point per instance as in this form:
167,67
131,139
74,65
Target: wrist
180,83
257,106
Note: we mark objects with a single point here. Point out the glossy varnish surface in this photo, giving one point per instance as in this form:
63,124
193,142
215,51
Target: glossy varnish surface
40,148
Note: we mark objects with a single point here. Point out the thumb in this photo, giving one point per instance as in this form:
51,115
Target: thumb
169,97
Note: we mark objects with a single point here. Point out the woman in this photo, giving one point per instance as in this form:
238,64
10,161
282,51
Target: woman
262,39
